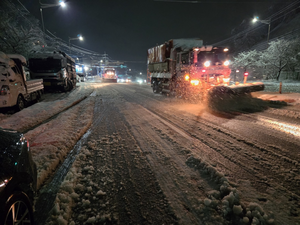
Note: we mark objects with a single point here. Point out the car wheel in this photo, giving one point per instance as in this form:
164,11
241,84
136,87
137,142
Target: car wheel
20,103
18,210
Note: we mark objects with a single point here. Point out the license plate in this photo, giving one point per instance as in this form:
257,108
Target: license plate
47,83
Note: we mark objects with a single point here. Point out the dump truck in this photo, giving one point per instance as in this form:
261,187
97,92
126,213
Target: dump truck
56,68
187,68
17,88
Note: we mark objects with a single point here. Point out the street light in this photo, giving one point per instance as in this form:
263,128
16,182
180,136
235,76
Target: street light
44,6
255,19
79,37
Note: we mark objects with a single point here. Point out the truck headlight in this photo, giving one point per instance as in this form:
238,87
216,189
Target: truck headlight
226,63
195,82
207,64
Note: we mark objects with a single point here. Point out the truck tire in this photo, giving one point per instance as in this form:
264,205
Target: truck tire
20,103
66,86
155,87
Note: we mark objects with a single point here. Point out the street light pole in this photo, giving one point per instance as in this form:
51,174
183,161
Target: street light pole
79,37
43,6
42,19
265,22
269,31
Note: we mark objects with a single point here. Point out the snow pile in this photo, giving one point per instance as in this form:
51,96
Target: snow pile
227,198
65,198
39,112
80,189
52,141
288,86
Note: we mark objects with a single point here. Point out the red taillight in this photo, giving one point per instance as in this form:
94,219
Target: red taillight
203,71
246,74
27,144
4,90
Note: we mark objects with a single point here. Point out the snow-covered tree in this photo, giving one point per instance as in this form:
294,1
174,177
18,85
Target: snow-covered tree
246,60
279,55
19,31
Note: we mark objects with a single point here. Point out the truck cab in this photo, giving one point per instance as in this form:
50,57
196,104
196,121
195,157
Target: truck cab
16,90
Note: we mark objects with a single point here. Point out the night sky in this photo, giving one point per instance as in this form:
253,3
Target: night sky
125,29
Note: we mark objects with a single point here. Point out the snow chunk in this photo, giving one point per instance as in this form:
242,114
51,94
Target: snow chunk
91,220
100,193
237,209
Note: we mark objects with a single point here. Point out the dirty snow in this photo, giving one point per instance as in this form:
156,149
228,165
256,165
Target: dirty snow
51,141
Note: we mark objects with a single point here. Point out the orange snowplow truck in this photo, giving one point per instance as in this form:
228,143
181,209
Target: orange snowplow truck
186,67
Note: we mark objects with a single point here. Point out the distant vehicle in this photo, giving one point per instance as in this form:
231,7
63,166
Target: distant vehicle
82,77
90,76
109,75
186,67
18,179
124,79
16,89
56,68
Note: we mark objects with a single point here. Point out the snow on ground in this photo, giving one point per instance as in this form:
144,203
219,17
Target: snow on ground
69,192
52,141
39,112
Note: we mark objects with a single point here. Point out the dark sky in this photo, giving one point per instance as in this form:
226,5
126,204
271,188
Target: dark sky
125,29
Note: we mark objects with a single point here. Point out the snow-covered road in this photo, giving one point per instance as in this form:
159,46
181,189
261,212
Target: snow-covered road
150,159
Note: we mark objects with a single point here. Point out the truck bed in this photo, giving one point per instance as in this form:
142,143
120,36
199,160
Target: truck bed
34,85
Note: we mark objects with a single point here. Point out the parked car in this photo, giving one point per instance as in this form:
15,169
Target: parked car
18,178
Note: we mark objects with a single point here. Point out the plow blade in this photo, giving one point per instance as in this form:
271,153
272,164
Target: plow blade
233,97
247,88
109,80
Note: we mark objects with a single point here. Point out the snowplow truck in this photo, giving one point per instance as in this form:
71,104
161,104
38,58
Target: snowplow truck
187,68
109,75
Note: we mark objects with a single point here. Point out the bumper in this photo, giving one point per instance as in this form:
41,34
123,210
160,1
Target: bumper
7,101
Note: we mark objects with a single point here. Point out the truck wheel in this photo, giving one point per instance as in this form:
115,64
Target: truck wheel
66,86
155,87
20,103
70,85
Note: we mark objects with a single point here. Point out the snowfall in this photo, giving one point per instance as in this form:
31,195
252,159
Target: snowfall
54,127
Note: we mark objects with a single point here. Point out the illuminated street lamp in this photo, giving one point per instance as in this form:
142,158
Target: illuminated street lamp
79,37
44,6
256,19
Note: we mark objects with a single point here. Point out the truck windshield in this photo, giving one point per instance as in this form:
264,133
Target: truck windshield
48,65
214,57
